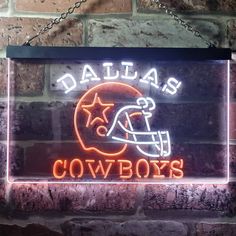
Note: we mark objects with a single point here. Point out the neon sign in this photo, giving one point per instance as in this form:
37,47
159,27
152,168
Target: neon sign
149,117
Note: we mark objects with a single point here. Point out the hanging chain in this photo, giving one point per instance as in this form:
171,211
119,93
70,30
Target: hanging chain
56,21
183,23
161,6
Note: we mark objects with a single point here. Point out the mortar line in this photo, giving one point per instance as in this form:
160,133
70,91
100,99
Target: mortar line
8,187
134,7
139,202
85,31
10,8
113,217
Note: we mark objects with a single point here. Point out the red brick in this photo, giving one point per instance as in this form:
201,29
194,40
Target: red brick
233,80
3,4
73,198
3,200
180,120
195,5
49,153
34,121
232,160
210,229
232,121
3,121
16,30
2,160
231,33
92,6
16,160
24,81
2,194
30,229
202,160
103,198
211,198
30,198
3,77
134,227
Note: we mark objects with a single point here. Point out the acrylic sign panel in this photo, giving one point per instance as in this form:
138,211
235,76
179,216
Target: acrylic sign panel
117,120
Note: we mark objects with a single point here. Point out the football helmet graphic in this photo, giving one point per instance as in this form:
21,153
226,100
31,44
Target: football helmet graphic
112,116
143,140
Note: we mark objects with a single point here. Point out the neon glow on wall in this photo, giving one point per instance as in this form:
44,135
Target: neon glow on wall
112,117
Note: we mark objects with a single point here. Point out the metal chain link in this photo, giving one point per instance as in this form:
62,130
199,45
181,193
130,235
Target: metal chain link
180,21
56,21
160,5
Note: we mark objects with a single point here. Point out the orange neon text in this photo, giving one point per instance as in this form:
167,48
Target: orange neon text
123,169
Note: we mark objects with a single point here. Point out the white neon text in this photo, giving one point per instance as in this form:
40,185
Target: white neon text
108,66
127,75
68,78
88,73
171,87
151,77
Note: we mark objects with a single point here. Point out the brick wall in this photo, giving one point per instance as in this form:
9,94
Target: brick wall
114,209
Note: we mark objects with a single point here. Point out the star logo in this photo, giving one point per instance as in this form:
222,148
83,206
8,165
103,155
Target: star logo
97,111
94,115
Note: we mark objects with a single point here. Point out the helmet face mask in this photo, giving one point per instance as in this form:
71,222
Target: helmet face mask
149,143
